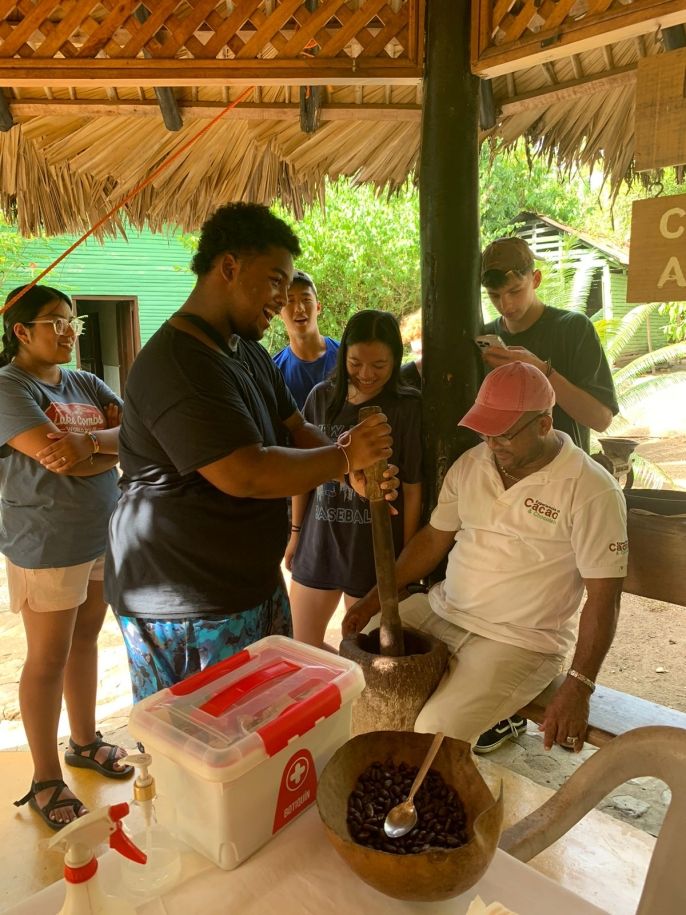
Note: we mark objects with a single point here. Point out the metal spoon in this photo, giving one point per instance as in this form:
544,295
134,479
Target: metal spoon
403,817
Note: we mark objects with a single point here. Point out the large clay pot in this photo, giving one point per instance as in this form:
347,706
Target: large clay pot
427,876
396,688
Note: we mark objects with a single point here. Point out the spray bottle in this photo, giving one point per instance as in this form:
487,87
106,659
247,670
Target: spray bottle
163,867
84,895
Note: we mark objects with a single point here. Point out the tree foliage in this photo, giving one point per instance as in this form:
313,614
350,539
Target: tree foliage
362,251
511,183
11,250
362,247
675,313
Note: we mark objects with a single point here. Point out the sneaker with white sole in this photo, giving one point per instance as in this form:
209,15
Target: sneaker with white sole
500,733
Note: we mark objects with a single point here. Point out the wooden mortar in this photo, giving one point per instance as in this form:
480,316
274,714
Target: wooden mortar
402,667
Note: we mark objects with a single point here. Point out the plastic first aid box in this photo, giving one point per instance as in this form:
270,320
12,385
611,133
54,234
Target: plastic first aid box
237,748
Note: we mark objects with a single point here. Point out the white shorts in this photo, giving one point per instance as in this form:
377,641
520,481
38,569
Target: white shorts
49,590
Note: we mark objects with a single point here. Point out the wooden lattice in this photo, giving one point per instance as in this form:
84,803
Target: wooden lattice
210,30
512,34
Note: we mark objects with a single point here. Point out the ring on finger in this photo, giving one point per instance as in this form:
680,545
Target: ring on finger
570,741
63,460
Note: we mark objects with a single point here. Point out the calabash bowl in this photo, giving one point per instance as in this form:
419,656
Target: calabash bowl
438,873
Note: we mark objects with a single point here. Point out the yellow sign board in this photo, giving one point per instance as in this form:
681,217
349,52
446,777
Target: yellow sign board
657,256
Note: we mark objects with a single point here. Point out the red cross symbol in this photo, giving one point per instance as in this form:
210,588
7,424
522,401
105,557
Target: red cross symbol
297,772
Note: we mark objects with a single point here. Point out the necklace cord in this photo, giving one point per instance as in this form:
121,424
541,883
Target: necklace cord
510,476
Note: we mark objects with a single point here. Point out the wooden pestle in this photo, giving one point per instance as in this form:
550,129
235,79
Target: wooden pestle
391,642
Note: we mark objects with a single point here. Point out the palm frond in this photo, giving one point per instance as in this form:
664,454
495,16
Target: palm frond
666,355
636,391
569,279
605,327
626,330
582,280
648,475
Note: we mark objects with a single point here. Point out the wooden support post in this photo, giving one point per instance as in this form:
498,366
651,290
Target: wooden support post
449,231
165,95
487,112
674,38
6,119
311,97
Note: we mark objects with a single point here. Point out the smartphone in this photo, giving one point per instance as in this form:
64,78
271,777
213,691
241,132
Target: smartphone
486,340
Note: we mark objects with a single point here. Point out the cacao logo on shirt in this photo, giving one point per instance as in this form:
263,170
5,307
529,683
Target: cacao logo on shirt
620,546
75,417
540,510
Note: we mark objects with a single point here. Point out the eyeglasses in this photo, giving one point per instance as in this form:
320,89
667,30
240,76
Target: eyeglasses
61,325
505,439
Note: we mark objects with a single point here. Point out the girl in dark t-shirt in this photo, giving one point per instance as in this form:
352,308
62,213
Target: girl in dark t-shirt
330,552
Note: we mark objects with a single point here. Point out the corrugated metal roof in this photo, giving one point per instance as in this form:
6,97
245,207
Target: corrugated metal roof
621,255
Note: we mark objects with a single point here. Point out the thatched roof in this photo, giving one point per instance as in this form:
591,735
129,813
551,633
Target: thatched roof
60,173
76,150
594,127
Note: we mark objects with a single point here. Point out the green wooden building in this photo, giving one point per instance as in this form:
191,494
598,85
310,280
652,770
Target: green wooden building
125,286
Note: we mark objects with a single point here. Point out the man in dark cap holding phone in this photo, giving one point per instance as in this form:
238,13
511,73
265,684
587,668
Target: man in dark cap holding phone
562,344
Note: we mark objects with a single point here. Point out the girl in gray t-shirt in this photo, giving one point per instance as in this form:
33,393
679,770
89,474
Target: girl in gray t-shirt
59,434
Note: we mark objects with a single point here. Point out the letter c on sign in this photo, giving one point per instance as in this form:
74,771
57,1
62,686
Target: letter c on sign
665,231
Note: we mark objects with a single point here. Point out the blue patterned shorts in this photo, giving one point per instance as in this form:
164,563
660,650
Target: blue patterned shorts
164,652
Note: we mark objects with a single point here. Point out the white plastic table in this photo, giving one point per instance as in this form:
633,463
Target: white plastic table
299,873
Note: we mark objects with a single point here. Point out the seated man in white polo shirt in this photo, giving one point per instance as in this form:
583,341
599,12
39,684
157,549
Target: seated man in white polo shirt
528,520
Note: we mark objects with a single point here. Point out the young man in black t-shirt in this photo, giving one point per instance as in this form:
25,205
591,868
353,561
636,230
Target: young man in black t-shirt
562,344
196,541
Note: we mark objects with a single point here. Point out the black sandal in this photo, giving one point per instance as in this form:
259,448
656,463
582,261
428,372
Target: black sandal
83,757
53,804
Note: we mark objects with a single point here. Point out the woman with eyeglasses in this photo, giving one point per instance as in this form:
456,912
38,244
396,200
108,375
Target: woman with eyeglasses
59,432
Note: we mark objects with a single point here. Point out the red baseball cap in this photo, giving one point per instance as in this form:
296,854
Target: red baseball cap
506,394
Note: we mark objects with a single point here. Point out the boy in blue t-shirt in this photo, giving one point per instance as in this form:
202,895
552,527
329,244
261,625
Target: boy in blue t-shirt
309,358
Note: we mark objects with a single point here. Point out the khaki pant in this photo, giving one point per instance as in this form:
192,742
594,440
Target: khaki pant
485,680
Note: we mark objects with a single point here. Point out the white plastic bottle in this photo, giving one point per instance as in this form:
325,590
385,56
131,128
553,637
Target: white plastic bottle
162,869
84,895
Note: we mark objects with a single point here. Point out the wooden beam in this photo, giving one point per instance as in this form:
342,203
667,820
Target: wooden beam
246,111
487,108
165,94
311,97
548,95
585,34
549,71
674,38
336,71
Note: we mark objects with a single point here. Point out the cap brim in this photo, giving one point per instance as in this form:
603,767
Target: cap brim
487,421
